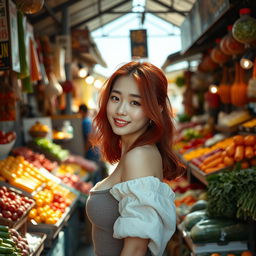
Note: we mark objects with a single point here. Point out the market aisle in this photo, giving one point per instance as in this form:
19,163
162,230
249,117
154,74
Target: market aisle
85,250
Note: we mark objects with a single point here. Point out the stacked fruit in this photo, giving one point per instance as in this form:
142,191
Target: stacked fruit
38,130
74,181
13,205
38,160
71,168
8,137
12,243
51,203
21,174
52,149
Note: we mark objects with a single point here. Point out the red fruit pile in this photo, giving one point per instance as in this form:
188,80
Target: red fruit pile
38,160
13,205
74,181
8,137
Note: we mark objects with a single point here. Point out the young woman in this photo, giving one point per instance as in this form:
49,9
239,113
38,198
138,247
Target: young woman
132,210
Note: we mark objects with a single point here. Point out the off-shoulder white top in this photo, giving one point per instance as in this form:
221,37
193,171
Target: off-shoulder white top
147,210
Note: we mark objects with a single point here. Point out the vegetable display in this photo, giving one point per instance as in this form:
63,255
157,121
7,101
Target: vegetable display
232,194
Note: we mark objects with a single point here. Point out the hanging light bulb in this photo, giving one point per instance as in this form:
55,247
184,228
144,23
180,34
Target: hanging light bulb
247,59
213,88
89,79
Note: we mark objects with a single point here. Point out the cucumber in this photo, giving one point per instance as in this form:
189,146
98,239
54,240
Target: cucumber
7,245
8,241
218,230
4,228
5,250
4,234
192,218
199,205
1,240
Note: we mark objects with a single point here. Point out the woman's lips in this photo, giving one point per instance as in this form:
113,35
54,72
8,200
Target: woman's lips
120,122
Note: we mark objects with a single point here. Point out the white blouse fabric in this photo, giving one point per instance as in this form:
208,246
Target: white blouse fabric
147,210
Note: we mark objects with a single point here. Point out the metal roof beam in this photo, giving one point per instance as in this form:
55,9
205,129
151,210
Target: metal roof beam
170,8
147,11
51,13
99,14
39,17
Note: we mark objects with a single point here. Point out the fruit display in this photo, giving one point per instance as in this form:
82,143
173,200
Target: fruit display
8,137
60,135
38,130
229,253
249,126
13,205
7,141
70,168
74,181
21,174
36,159
192,137
12,243
51,149
51,203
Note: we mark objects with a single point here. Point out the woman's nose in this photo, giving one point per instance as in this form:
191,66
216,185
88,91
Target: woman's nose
122,109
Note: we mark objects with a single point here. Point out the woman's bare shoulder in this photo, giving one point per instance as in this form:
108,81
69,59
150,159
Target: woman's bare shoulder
142,161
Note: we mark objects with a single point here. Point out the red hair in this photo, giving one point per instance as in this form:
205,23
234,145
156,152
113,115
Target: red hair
152,85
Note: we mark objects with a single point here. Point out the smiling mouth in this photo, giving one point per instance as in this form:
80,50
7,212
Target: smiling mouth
120,122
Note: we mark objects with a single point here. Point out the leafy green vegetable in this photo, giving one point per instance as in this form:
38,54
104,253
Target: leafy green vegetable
232,194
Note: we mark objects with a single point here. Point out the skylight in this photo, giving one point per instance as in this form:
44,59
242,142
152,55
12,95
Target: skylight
113,39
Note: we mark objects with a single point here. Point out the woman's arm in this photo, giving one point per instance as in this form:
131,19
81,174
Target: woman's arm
134,246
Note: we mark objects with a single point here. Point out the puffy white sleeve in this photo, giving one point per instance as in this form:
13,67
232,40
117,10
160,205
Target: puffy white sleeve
147,210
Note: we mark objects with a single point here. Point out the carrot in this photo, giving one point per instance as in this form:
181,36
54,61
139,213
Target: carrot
214,163
249,152
230,150
249,140
210,170
211,158
228,160
224,153
238,140
239,153
244,165
253,162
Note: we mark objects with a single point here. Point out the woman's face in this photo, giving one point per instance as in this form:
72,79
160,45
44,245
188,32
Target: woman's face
124,110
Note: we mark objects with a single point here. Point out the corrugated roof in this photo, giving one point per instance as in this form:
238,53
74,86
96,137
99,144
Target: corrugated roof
96,13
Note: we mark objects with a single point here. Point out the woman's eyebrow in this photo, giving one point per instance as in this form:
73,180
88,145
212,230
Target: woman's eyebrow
131,94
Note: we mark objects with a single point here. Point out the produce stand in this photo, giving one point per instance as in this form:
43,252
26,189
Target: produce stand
51,230
21,223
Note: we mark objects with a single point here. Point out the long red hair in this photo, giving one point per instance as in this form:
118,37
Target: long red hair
152,85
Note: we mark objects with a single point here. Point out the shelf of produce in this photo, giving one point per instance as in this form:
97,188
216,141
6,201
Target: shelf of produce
196,172
211,247
52,230
32,145
21,223
226,129
39,247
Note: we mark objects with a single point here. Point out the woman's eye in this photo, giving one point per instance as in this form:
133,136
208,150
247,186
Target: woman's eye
114,98
136,103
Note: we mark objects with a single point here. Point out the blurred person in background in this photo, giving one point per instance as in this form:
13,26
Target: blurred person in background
132,211
91,153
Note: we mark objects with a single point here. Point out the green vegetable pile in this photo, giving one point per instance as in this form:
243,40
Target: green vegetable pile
232,194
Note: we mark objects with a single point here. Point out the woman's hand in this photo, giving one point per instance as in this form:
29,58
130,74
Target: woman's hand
134,246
